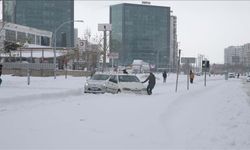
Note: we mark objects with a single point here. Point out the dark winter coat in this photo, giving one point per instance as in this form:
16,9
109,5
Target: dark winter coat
164,74
151,80
125,71
1,67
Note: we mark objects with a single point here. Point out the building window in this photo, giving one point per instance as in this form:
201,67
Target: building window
21,37
10,35
38,40
31,38
45,41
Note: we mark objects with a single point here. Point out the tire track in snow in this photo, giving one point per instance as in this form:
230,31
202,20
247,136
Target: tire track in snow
42,96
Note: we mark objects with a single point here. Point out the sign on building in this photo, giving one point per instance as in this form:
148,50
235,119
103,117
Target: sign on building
113,55
82,45
104,27
188,60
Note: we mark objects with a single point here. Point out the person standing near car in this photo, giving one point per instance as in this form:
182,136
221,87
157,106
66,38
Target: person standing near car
191,74
124,71
151,83
164,75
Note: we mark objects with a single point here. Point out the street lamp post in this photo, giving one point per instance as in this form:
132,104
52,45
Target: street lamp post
54,49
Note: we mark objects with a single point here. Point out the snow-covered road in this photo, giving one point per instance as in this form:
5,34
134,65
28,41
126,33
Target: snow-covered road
56,114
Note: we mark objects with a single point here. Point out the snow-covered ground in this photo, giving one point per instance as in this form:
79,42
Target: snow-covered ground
56,114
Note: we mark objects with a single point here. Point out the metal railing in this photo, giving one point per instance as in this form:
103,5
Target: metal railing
32,66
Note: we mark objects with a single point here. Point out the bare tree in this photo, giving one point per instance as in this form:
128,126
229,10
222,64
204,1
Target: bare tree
87,34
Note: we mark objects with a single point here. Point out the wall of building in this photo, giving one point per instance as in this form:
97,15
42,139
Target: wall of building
141,32
43,15
15,33
235,55
173,43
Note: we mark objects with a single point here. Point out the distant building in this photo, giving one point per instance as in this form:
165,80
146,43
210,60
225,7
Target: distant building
233,55
14,33
44,15
237,55
141,32
246,53
173,43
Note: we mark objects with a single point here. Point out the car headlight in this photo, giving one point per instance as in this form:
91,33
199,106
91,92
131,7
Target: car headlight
86,84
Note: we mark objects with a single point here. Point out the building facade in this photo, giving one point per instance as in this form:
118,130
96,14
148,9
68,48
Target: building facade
246,54
233,55
14,33
237,55
44,15
140,32
173,44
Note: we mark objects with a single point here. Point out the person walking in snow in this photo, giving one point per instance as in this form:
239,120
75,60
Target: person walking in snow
191,77
1,67
164,75
151,83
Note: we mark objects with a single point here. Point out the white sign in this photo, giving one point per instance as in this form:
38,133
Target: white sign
113,55
104,27
188,60
82,45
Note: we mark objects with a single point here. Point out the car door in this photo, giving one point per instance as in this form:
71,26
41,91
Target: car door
112,84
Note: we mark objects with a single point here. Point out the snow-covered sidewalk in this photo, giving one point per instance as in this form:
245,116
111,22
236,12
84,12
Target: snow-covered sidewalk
56,114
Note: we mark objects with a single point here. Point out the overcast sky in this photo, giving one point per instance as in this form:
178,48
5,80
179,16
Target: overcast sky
203,27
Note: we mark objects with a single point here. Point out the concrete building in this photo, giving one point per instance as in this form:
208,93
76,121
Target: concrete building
237,58
14,33
233,55
44,15
141,32
246,55
173,43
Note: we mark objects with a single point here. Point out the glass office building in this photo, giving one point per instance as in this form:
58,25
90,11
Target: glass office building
140,32
44,15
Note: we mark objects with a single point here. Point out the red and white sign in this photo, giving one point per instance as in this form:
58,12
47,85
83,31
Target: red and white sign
113,55
82,45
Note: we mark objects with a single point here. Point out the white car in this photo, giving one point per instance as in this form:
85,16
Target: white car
125,83
248,78
96,84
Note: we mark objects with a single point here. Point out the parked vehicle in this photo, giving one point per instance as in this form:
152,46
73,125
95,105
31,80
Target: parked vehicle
125,83
231,75
96,84
248,78
139,66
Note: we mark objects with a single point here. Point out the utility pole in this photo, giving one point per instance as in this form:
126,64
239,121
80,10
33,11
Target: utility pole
104,27
104,49
178,68
188,75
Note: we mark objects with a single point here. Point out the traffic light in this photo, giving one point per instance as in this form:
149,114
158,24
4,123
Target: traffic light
205,64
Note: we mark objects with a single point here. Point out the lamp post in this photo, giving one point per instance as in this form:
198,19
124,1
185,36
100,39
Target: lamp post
54,49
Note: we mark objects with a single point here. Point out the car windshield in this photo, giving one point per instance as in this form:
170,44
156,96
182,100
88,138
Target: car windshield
127,78
100,77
